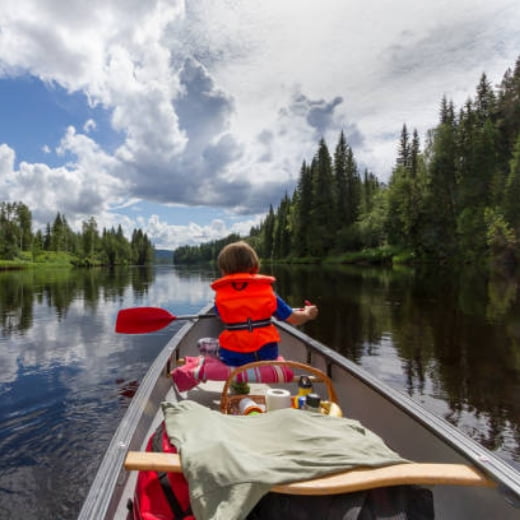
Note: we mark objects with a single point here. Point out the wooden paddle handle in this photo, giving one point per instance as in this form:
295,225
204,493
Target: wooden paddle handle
320,376
344,482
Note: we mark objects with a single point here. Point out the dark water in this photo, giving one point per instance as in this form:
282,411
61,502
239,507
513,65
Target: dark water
451,341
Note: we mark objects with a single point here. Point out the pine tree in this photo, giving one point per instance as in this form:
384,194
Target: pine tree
24,222
9,231
369,187
57,234
282,239
512,192
322,217
268,233
340,175
508,115
403,155
442,187
90,237
485,103
302,212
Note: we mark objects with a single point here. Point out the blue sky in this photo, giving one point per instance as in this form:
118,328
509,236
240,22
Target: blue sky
35,115
188,118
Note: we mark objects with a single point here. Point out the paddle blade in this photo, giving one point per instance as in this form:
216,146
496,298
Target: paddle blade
140,320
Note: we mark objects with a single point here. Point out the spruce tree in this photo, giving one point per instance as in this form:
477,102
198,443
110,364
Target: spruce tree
268,233
353,188
403,156
512,192
302,212
442,187
322,217
340,176
281,235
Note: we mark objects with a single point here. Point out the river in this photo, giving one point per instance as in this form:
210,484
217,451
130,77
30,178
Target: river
449,340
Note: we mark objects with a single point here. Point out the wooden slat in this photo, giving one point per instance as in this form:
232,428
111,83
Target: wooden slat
150,461
345,482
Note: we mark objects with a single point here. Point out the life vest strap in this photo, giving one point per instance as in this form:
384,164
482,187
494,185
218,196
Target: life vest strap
248,325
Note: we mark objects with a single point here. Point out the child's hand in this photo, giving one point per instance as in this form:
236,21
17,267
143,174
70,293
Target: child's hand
311,311
301,315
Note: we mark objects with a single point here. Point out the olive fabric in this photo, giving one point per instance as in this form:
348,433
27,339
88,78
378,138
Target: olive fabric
231,462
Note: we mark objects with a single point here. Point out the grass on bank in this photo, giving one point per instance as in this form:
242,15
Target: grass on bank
45,258
385,255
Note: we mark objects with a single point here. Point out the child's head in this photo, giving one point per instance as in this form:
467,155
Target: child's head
238,257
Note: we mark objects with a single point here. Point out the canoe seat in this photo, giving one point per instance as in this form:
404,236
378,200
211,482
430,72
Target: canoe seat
345,482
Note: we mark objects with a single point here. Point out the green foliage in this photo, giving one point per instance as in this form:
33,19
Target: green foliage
500,238
321,222
372,223
512,190
60,245
456,201
14,237
208,251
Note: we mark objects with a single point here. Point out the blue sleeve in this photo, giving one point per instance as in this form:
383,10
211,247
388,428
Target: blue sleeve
283,311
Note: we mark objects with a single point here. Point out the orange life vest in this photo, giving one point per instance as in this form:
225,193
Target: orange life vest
245,303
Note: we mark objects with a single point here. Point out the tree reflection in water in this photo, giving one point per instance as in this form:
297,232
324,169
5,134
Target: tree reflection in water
448,339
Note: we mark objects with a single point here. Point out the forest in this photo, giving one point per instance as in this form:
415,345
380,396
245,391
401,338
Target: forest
86,248
454,198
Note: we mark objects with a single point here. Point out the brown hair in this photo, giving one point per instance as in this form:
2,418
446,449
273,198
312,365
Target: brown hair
238,257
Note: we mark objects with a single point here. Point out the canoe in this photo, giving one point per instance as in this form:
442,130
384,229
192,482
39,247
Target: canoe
468,481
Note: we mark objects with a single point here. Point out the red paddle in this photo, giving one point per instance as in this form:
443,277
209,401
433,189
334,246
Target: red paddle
139,320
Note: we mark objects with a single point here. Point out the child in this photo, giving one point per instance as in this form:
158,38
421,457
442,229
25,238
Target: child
245,301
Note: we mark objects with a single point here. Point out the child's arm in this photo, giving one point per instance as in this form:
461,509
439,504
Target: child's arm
300,316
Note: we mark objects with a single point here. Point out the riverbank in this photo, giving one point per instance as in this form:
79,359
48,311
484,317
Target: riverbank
46,259
385,255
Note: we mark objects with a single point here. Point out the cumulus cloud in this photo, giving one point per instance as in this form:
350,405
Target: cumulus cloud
218,104
82,187
89,126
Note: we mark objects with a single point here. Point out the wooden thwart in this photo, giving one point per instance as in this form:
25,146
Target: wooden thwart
346,482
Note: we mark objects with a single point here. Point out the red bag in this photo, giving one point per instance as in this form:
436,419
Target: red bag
161,495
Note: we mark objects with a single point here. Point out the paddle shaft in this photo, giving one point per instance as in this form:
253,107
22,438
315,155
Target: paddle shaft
194,316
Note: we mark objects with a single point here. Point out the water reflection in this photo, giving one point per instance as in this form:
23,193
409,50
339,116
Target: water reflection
58,288
449,340
67,378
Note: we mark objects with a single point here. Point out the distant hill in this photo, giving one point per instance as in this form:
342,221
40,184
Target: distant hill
163,256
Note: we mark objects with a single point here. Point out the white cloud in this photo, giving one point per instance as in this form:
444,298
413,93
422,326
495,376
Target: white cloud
84,186
219,103
89,126
166,236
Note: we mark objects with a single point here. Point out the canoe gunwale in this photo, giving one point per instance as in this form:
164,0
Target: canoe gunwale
507,478
106,490
100,502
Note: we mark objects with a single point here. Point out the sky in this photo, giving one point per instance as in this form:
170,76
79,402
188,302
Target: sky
187,119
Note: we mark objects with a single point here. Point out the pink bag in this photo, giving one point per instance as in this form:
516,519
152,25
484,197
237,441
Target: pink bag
198,369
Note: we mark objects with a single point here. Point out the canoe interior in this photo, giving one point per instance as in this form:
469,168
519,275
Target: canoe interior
404,425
